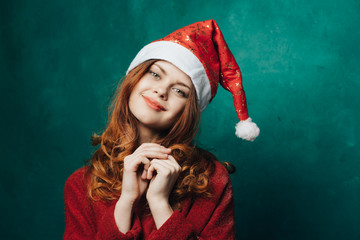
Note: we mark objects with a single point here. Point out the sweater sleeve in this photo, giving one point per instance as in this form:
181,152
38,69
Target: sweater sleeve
208,218
80,220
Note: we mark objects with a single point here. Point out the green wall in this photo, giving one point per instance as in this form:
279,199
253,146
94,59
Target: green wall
60,62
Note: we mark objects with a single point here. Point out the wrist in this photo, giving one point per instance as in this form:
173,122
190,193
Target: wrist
159,204
125,203
123,214
161,211
127,200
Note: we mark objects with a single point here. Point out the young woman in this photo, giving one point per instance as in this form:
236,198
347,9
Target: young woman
148,180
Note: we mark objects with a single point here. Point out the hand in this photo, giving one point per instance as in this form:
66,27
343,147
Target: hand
161,184
134,182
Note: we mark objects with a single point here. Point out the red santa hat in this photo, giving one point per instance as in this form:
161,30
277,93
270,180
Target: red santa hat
200,51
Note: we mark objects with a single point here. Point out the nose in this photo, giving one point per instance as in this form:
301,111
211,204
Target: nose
162,92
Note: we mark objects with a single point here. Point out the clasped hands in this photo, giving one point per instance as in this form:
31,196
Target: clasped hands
139,175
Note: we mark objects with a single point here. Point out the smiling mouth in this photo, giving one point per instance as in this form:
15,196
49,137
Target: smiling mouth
153,104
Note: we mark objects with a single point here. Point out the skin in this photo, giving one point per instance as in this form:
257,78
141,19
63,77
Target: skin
168,89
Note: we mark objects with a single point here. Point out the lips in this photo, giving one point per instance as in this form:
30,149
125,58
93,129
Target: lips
154,104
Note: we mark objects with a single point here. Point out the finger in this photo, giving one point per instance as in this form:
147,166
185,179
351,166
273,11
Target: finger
134,164
150,172
163,167
172,159
144,174
158,147
153,146
175,163
156,165
145,170
153,154
149,145
171,163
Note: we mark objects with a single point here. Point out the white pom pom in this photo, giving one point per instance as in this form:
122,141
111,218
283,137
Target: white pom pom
247,130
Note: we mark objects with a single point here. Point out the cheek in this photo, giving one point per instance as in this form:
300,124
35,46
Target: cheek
179,107
182,103
133,102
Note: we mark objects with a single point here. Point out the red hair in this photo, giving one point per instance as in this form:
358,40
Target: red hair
121,138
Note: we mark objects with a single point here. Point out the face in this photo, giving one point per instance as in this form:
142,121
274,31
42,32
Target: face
160,96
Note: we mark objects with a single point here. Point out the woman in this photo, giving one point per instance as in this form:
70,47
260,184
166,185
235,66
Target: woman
148,180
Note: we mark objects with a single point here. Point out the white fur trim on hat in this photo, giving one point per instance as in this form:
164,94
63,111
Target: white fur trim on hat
247,130
182,58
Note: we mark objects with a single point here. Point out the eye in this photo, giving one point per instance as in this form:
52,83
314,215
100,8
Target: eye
154,74
178,91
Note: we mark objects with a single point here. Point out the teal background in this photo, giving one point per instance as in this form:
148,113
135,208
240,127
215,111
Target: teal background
60,62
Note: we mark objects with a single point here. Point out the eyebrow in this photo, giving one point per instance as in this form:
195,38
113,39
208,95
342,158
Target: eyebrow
164,72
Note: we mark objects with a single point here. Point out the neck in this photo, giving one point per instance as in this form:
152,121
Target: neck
147,135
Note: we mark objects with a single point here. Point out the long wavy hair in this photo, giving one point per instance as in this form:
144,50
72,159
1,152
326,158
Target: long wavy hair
121,138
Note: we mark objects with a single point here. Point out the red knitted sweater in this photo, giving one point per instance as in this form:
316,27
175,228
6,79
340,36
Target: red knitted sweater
199,218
